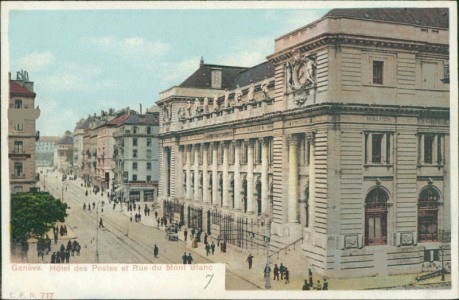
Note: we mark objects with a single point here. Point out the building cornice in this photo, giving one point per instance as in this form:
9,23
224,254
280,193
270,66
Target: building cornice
328,108
340,39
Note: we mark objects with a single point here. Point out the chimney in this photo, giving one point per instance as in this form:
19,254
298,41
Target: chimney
140,108
201,62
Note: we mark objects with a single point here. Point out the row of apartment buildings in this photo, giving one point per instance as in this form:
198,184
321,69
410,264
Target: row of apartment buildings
338,142
117,152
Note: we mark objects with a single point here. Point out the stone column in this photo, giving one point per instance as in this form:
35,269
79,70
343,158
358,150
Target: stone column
292,179
421,149
165,161
250,198
237,176
205,179
196,172
188,172
312,180
264,176
214,174
225,184
370,149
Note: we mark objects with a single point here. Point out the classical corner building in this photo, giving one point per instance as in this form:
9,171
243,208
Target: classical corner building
63,153
337,144
22,135
44,149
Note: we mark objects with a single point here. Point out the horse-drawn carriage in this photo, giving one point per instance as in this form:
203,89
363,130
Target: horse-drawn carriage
172,233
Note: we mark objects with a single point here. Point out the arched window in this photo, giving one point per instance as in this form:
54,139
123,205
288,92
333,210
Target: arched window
376,217
428,215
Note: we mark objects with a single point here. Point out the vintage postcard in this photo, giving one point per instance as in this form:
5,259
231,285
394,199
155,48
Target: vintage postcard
229,150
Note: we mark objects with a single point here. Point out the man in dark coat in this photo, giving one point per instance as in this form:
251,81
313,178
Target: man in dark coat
276,272
250,260
189,259
156,251
184,258
325,285
311,282
207,249
212,247
306,286
282,271
185,234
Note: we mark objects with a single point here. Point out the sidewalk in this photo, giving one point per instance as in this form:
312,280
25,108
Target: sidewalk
235,261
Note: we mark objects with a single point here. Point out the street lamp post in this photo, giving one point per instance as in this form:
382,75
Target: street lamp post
267,239
97,230
442,264
64,183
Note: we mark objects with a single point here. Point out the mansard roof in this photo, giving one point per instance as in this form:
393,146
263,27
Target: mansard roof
421,16
18,90
149,119
201,78
255,74
66,140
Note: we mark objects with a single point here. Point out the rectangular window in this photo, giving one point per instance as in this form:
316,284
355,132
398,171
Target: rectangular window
18,127
18,147
134,142
134,129
18,169
148,178
148,130
134,177
209,155
245,153
201,153
148,154
259,150
134,153
134,166
378,72
220,155
376,148
428,148
148,142
148,165
18,103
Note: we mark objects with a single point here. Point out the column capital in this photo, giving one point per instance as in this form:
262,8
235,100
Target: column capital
196,146
311,136
250,142
189,147
225,144
292,139
181,147
263,140
238,143
205,145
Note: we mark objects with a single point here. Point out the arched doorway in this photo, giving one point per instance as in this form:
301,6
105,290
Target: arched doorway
428,215
376,217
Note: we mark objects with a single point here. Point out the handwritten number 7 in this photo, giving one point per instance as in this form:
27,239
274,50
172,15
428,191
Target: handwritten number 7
211,276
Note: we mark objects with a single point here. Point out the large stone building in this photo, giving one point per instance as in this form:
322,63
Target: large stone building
44,149
339,142
22,135
136,157
63,153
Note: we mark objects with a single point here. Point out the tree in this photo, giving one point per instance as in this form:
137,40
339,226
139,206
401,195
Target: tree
33,214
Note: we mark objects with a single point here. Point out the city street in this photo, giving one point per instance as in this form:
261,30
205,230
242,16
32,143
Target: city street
120,240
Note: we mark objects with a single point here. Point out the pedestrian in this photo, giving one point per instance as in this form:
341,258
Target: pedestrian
282,271
185,234
67,256
65,230
212,246
218,240
156,214
165,222
156,251
306,285
192,232
286,275
114,205
207,249
86,193
89,207
93,205
249,260
53,258
55,239
58,258
159,222
101,224
311,282
184,258
205,238
276,272
318,286
84,206
325,285
61,230
130,218
189,259
162,221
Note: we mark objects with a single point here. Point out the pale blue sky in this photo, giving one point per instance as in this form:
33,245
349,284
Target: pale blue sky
85,61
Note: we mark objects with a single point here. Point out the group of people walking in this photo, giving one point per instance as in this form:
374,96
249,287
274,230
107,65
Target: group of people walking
309,283
63,254
283,271
187,259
